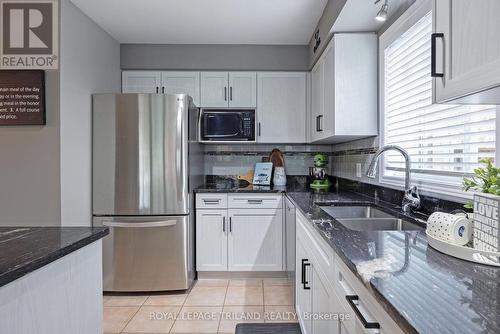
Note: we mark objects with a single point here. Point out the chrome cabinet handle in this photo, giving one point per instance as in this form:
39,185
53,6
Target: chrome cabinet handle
258,130
254,201
353,300
230,225
320,125
224,224
163,90
211,201
145,224
434,37
157,89
225,93
230,93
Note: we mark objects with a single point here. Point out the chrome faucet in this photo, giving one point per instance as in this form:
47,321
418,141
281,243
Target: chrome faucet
411,199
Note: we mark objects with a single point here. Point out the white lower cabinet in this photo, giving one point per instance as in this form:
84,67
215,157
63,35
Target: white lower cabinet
211,240
329,297
317,305
247,235
302,292
255,240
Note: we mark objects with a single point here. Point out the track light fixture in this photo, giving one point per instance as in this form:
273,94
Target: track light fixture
382,13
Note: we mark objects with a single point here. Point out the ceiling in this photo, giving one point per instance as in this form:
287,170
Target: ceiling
359,15
206,21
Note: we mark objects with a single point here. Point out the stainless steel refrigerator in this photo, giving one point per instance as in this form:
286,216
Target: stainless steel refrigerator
146,161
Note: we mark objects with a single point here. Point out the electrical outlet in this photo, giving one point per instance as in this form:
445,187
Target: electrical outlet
358,170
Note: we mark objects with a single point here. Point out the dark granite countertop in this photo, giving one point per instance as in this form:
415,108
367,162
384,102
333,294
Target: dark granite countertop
228,185
25,249
422,289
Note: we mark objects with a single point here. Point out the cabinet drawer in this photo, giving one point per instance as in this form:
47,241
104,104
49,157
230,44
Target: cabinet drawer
347,284
250,201
211,201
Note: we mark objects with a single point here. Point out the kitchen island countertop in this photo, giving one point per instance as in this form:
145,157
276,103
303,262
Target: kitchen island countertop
24,249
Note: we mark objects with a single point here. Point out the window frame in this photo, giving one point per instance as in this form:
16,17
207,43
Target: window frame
443,189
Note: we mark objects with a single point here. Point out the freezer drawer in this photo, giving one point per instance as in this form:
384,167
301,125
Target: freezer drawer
146,253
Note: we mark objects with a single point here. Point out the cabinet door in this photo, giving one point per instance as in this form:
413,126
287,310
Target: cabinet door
471,45
211,240
242,89
255,240
281,109
289,264
327,122
182,83
214,90
303,298
317,103
141,82
324,302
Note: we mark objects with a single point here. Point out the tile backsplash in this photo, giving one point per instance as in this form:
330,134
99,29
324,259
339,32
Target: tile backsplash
345,156
237,159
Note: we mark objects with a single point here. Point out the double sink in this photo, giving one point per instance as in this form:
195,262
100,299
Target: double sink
368,218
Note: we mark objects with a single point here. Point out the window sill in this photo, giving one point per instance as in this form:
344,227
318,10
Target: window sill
433,189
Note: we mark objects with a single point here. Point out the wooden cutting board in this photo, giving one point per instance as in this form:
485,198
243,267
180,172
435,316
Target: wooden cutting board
277,158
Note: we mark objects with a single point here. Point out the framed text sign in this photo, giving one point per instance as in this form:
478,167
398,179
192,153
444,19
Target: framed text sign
22,97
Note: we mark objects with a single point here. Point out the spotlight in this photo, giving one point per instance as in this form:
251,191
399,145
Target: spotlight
382,13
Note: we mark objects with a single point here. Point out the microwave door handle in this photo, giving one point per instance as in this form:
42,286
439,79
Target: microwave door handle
221,136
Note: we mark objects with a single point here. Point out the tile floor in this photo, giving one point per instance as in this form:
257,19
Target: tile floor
211,306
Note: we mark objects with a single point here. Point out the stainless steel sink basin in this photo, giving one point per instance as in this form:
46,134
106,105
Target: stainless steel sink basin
368,218
340,212
378,224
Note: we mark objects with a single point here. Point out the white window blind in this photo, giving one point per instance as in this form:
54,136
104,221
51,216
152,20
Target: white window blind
445,142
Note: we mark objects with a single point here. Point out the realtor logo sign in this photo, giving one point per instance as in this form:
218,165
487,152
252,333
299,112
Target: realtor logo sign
29,34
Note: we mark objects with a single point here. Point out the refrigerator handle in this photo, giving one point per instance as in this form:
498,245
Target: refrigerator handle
146,224
181,151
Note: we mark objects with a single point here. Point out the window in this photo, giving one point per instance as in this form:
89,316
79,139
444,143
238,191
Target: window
444,141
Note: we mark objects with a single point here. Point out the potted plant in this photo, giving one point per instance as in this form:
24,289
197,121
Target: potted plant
486,183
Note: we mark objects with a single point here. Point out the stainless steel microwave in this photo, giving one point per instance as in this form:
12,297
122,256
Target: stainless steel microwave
227,125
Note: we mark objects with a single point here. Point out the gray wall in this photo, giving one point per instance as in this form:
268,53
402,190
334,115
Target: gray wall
330,14
29,168
89,64
214,57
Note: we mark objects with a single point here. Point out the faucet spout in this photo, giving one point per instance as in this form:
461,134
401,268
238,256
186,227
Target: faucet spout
411,199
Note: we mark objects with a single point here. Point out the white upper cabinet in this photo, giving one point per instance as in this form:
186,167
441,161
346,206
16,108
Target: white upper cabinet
317,99
281,107
141,82
467,51
228,89
242,89
344,90
182,83
167,82
214,89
